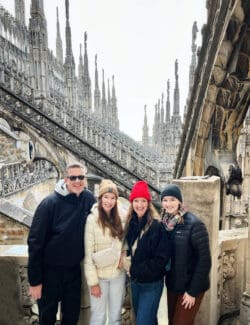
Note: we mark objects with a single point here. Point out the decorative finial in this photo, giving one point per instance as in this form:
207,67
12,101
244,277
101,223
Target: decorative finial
194,32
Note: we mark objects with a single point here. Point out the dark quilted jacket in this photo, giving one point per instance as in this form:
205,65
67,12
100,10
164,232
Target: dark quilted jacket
191,260
152,253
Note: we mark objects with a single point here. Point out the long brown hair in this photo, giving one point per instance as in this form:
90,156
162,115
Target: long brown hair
112,222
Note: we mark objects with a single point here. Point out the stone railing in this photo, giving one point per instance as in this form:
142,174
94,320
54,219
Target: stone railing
90,126
87,139
15,177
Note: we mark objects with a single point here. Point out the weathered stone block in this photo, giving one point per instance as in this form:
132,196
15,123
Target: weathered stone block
232,269
11,311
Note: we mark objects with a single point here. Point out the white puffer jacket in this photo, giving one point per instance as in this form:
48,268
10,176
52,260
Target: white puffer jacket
95,240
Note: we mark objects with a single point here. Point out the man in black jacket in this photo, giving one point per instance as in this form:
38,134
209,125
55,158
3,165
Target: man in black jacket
56,249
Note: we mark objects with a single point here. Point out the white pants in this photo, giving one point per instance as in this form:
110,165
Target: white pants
109,305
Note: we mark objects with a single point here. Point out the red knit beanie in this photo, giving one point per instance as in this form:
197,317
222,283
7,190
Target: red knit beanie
140,189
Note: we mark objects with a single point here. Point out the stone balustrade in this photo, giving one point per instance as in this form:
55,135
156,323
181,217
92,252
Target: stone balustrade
125,167
17,176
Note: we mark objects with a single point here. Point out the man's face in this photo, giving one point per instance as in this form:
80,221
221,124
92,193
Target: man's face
75,184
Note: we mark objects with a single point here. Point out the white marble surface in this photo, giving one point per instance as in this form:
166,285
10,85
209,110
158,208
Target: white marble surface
162,312
14,250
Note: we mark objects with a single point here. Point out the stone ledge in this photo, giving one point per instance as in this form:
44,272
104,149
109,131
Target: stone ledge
16,213
18,252
236,233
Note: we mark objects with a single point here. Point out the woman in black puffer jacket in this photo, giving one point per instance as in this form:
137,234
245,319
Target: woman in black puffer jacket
188,277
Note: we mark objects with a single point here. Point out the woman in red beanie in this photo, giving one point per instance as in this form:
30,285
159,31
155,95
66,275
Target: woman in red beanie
149,248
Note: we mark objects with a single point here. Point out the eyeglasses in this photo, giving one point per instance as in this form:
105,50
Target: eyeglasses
74,178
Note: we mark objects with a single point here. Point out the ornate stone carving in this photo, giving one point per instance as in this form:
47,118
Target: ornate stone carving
17,176
228,271
234,181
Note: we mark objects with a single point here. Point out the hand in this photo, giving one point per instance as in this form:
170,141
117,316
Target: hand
188,301
120,265
127,264
36,291
96,291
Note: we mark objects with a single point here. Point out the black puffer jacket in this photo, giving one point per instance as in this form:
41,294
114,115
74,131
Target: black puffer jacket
191,260
153,250
56,233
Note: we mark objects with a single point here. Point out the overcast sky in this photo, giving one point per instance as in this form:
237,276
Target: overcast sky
137,41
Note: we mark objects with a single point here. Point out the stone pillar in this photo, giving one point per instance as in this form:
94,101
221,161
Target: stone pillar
202,197
245,302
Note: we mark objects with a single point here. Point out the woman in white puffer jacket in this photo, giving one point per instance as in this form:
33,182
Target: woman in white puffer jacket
105,229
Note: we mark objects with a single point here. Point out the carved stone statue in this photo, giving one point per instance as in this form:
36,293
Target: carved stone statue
234,182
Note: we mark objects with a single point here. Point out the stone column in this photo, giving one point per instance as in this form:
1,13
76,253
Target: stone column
202,197
245,302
